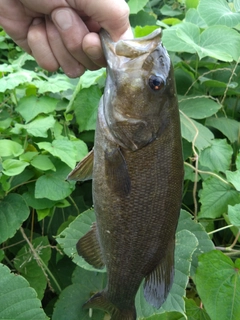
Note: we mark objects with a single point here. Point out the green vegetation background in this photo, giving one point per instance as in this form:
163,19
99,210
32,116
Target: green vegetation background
47,125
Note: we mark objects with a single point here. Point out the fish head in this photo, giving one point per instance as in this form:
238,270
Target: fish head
139,89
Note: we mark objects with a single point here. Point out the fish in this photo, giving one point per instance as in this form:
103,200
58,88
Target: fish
136,168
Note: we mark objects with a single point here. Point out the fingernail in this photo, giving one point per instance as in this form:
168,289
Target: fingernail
63,18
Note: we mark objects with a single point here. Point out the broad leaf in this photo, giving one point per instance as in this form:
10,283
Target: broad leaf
33,266
233,214
37,127
69,237
229,127
186,222
86,106
13,212
53,187
234,178
215,197
85,284
195,132
53,84
10,148
218,12
90,78
13,80
218,284
30,107
17,299
42,162
218,156
198,107
165,316
13,167
186,37
195,312
63,149
136,5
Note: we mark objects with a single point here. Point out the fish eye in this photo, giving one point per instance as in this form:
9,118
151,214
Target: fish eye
156,83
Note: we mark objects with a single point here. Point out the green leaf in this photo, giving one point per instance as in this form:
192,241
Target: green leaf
143,31
13,80
215,196
12,167
219,150
136,5
42,162
198,107
234,178
71,299
54,84
229,127
37,127
69,237
186,37
30,107
186,244
194,17
13,212
233,214
166,316
35,203
86,106
53,187
218,13
218,284
17,299
33,266
90,78
62,149
195,312
10,148
191,129
186,222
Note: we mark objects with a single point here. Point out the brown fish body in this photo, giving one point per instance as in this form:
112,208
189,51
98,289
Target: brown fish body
137,176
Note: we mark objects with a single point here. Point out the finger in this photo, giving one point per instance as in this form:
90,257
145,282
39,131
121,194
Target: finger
93,49
68,63
39,45
72,30
15,22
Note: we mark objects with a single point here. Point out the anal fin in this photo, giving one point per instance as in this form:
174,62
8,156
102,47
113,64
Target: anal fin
88,247
83,170
159,282
100,301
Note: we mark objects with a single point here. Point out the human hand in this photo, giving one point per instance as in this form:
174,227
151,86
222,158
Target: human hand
62,33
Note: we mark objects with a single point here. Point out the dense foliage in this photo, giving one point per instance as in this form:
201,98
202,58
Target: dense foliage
47,125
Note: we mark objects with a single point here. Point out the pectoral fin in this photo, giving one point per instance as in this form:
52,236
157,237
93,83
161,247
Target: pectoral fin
159,282
117,172
89,248
83,170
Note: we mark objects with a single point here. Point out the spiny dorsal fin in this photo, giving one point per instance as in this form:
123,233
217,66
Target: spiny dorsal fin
158,283
83,170
100,301
88,247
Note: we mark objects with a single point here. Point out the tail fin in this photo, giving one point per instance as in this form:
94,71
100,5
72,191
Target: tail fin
100,301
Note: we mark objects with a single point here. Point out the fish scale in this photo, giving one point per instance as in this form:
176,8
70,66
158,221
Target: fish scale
137,176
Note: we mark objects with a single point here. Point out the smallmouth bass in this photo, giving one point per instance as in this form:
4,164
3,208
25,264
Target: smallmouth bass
137,176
